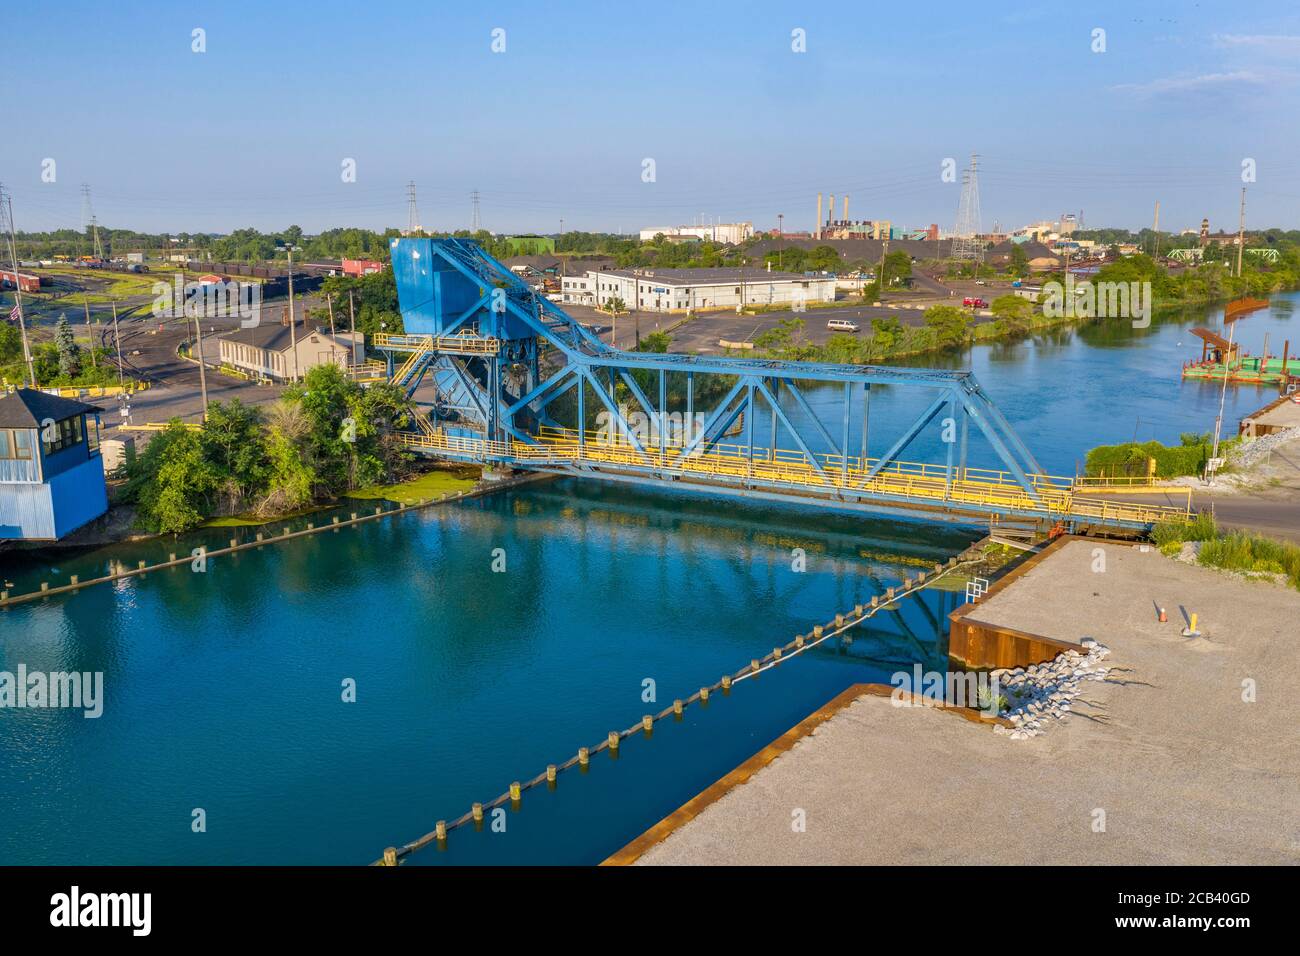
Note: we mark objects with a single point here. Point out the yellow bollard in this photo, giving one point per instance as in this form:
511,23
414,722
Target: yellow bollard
776,653
647,723
817,630
798,640
753,666
515,792
584,756
390,856
677,707
440,831
550,773
477,812
613,741
704,693
726,684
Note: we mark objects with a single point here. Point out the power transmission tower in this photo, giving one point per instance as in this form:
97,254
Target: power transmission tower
412,211
475,222
88,220
966,245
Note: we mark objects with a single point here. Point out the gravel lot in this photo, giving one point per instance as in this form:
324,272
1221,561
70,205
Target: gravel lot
1184,770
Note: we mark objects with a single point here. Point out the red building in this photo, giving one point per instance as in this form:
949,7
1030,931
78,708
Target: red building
361,267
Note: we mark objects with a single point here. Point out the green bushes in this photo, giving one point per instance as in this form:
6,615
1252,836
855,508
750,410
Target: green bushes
324,438
1130,459
1235,551
1252,554
1170,534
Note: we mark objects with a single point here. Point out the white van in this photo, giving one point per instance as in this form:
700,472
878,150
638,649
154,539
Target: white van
842,325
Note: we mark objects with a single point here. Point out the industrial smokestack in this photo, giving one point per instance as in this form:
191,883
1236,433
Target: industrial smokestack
830,211
817,229
845,217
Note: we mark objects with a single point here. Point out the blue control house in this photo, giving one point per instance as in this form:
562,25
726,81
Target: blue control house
51,475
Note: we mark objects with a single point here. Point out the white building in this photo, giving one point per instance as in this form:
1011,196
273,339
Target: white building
732,233
680,290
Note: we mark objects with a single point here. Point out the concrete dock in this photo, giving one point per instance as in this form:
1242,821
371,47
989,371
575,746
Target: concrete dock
1163,763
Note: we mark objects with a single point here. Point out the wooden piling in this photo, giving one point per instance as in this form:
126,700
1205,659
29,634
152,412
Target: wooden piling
613,740
677,707
647,723
584,756
390,856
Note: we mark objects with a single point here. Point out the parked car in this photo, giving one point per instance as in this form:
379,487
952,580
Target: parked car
974,302
843,325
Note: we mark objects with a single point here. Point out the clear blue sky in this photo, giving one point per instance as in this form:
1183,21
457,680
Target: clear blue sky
254,130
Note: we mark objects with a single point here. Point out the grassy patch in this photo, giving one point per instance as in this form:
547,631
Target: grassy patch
1235,551
1252,554
431,484
252,521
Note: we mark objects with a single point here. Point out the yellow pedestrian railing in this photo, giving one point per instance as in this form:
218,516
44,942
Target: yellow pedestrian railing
911,482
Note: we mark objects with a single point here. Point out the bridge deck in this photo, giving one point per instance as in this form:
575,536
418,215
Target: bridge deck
971,491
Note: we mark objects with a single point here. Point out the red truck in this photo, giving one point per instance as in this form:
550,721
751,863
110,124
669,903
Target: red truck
974,302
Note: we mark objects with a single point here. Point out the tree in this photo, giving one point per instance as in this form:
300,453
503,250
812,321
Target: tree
614,305
1019,266
1012,314
69,350
235,446
171,480
897,266
948,324
655,342
886,333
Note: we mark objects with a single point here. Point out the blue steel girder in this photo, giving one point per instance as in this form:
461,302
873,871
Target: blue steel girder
587,361
794,432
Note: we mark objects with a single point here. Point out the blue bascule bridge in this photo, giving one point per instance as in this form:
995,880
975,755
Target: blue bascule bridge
519,384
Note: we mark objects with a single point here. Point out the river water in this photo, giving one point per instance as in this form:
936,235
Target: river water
224,688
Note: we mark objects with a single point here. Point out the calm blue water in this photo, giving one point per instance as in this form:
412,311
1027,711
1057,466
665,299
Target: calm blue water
223,688
1072,389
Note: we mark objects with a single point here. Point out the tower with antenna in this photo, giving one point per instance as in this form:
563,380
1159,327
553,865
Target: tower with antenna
475,222
966,245
413,227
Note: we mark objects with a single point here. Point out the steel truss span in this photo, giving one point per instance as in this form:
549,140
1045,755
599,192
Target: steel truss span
518,383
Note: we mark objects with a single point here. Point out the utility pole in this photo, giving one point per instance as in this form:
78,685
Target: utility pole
117,341
780,241
198,344
352,310
18,292
293,332
90,333
1156,229
329,302
880,277
1241,231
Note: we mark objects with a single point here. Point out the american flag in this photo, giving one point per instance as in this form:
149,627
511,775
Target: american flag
14,314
